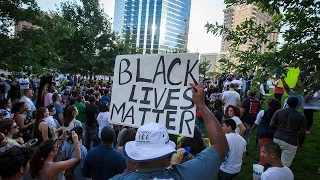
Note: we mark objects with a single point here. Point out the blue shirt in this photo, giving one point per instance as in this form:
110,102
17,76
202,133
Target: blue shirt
300,99
103,162
204,166
68,151
59,110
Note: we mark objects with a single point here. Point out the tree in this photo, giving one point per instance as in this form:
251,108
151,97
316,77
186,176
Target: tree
35,48
301,39
92,48
204,67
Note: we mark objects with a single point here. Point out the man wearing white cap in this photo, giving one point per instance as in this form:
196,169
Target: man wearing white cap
152,150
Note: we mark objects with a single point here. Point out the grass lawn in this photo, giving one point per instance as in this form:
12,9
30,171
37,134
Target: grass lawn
306,162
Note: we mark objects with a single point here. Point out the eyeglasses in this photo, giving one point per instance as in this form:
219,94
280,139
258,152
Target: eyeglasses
15,127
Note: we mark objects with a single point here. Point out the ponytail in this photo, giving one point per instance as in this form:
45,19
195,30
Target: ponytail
40,153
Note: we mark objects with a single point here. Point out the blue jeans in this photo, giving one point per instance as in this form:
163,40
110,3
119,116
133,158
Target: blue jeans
226,176
247,134
91,134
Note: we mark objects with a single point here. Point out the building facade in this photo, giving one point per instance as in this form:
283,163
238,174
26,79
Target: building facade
213,59
235,15
155,26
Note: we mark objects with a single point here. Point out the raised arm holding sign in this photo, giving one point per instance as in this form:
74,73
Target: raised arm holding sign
155,88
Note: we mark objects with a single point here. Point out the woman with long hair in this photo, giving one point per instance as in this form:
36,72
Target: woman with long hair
22,119
265,132
233,112
70,121
42,166
9,128
197,144
42,131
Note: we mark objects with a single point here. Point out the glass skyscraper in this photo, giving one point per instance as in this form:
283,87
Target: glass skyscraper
155,26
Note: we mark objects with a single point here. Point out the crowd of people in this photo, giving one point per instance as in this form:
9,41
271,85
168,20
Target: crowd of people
63,132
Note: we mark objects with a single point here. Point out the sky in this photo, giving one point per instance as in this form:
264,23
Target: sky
202,11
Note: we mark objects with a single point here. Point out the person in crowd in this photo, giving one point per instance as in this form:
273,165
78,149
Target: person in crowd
91,125
290,125
128,135
24,121
3,89
3,143
249,109
111,164
56,98
182,155
197,144
231,97
249,80
48,96
68,151
70,121
215,95
81,109
231,166
98,102
199,122
311,105
24,84
9,128
53,123
5,105
103,118
218,110
278,91
41,164
265,133
106,97
42,131
121,131
14,92
233,112
296,92
272,154
152,154
14,163
65,98
26,99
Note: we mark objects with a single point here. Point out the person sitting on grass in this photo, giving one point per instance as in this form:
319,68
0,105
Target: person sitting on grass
272,153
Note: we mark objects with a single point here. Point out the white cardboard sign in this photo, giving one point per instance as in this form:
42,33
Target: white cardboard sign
155,88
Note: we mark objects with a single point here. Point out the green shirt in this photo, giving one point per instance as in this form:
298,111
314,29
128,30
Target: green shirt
81,110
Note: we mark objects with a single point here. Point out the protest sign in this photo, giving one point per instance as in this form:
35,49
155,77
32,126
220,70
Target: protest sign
155,88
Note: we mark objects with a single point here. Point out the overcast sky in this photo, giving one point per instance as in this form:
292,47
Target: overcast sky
202,11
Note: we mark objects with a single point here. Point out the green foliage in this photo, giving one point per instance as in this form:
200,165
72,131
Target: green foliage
92,48
204,67
298,21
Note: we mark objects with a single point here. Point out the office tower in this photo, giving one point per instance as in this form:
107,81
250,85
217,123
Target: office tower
155,26
235,15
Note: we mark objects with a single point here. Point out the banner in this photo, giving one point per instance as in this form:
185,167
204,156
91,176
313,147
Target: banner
291,78
155,88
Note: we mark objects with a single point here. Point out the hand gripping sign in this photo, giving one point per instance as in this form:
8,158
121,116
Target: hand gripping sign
155,88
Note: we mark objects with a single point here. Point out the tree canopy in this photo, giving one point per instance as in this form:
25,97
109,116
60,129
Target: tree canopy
297,21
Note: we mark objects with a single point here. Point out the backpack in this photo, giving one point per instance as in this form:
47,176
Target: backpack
254,106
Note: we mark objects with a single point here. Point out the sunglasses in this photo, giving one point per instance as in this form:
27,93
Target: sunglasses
14,127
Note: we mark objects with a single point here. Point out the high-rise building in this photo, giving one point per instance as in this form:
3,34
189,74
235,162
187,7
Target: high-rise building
235,15
155,26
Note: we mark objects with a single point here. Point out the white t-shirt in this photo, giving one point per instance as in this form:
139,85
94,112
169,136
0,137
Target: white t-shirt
24,83
73,124
233,161
259,117
238,121
53,124
48,99
238,82
29,103
230,98
103,121
277,173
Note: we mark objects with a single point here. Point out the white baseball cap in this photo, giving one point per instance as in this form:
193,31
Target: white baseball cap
151,143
